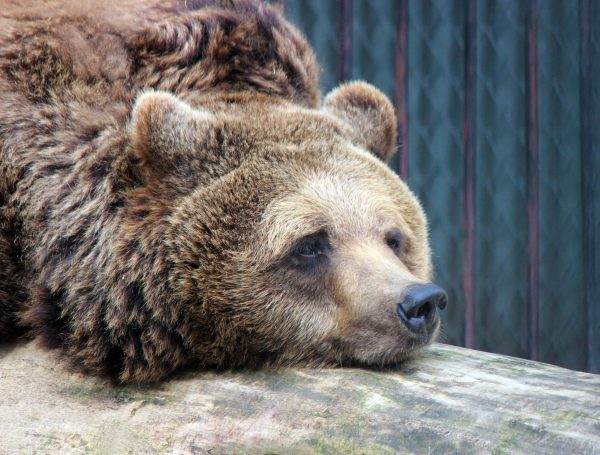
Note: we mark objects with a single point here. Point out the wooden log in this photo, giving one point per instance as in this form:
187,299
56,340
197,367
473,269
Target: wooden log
449,400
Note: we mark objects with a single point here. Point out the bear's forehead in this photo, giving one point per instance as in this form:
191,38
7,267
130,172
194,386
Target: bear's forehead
261,121
346,200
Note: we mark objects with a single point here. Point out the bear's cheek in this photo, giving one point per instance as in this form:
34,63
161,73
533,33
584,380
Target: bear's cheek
287,307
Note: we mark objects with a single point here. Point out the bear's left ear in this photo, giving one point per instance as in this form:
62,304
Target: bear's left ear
368,113
166,131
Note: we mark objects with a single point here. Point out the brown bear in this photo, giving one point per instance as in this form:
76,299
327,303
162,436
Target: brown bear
173,192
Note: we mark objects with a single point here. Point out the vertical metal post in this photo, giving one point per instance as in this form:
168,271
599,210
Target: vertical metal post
401,87
468,146
587,191
533,307
345,39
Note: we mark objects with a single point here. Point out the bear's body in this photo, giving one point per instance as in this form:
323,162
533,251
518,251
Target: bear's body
171,194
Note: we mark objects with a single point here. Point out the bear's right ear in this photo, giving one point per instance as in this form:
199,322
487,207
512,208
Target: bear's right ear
368,113
166,130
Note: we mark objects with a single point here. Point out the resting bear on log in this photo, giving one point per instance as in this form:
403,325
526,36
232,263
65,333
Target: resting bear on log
174,192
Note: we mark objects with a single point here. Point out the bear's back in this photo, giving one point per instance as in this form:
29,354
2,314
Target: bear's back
180,47
70,72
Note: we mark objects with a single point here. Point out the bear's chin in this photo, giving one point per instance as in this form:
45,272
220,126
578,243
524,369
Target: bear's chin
366,348
389,348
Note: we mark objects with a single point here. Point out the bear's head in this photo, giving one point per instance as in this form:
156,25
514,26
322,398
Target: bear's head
289,240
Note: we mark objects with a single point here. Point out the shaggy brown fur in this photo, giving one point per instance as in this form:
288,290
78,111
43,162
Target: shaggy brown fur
159,164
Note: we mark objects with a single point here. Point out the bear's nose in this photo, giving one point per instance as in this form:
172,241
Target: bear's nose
418,309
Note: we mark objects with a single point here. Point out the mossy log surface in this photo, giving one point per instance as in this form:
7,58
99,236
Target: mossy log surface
449,400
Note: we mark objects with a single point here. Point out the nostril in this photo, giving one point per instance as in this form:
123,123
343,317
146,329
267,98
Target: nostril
442,302
425,310
418,309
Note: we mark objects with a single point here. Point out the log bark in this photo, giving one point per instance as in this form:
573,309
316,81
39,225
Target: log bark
449,400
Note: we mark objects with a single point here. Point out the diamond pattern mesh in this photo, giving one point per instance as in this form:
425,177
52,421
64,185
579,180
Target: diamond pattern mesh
561,271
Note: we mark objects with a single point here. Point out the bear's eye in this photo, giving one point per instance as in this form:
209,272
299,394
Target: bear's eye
393,239
311,250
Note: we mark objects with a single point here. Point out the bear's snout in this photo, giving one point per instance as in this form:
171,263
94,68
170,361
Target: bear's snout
418,309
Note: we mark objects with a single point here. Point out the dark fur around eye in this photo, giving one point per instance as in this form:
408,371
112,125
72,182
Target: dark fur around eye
394,240
311,250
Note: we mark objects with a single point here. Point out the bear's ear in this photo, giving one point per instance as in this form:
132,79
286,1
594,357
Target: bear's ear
368,113
166,130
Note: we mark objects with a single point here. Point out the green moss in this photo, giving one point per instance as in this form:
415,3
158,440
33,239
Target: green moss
344,446
125,395
63,442
326,414
82,391
156,401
